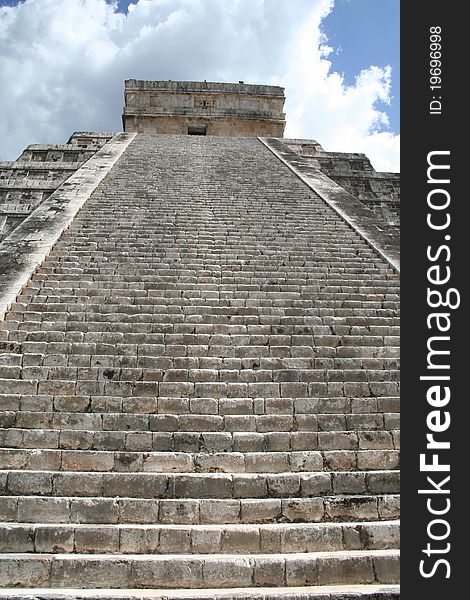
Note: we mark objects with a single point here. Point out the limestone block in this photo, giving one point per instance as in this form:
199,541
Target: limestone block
219,511
224,572
70,572
301,571
243,539
347,569
8,509
387,568
303,509
214,485
207,540
100,540
52,539
31,572
168,573
139,541
269,572
28,483
315,484
14,538
175,540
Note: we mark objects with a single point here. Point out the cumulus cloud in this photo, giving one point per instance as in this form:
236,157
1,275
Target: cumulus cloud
64,63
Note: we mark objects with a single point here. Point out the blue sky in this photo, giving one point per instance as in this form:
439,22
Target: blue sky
63,63
366,32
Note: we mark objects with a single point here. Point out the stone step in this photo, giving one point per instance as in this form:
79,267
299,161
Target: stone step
60,354
190,324
91,227
107,260
342,254
165,423
198,342
193,293
217,276
200,345
90,230
253,326
106,342
288,298
242,310
131,304
29,349
282,288
42,305
267,321
197,485
184,389
87,295
281,381
86,354
158,322
150,312
188,441
161,276
196,570
198,539
47,291
78,509
81,243
223,242
282,312
222,228
318,592
140,335
266,405
286,311
184,462
79,247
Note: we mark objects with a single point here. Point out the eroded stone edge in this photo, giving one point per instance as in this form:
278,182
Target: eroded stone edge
328,592
361,218
24,250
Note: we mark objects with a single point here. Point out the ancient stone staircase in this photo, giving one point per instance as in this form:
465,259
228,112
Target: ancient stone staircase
199,391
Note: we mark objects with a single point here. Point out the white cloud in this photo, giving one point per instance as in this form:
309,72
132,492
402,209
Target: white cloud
63,67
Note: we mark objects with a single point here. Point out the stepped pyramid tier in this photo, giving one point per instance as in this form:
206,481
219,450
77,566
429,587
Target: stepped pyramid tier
379,191
199,381
38,172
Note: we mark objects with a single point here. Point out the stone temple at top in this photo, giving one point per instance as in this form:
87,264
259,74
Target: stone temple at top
203,108
199,359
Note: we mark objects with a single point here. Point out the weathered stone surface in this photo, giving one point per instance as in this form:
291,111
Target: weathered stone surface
20,570
208,108
38,172
379,191
26,248
51,539
199,388
364,221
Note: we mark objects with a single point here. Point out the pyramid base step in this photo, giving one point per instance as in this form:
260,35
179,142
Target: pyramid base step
337,592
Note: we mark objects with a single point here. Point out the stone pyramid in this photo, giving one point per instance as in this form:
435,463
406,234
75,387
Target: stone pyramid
198,377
